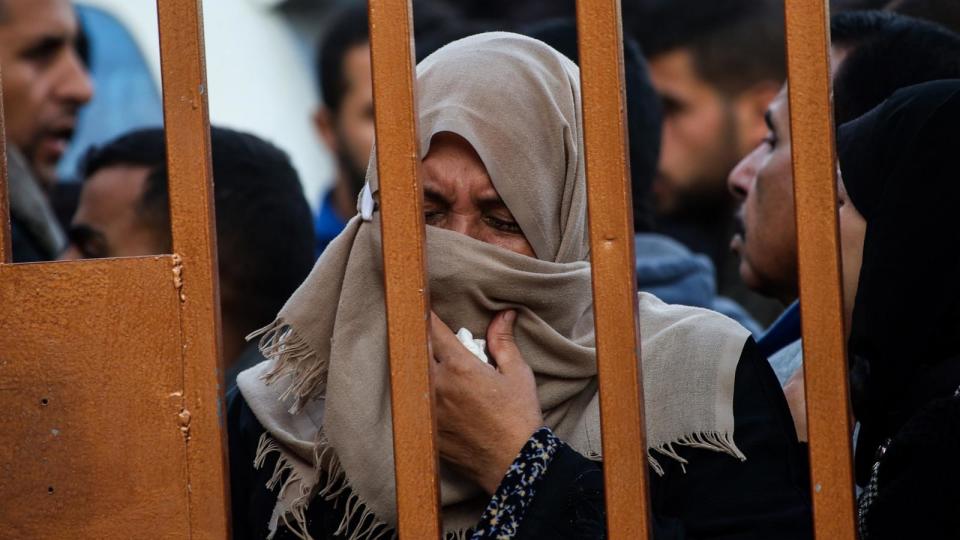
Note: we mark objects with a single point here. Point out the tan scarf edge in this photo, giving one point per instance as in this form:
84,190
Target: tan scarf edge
291,508
291,355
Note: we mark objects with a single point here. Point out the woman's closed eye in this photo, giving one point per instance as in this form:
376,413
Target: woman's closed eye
508,226
433,217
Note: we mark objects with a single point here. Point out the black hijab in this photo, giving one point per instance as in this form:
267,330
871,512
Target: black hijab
901,168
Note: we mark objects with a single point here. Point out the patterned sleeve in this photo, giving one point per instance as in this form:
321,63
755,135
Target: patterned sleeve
501,519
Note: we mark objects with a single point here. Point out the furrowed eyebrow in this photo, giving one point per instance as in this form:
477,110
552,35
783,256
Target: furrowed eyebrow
45,44
491,202
433,195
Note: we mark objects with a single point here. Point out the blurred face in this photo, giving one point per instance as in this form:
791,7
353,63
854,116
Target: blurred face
700,139
459,196
44,80
349,132
763,184
853,230
108,222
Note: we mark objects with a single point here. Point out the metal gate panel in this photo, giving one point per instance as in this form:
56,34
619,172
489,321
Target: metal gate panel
91,386
111,368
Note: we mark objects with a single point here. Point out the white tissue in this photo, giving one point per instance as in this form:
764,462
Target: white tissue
476,346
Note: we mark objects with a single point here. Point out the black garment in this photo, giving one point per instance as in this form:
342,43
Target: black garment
913,491
717,497
252,503
25,246
900,169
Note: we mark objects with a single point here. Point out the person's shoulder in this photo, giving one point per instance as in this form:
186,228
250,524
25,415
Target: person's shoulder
917,477
686,322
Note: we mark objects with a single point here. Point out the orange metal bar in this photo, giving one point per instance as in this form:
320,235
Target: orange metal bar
187,126
815,191
6,250
402,226
614,274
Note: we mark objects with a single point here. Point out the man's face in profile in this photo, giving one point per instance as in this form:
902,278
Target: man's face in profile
349,131
700,139
110,219
763,182
44,80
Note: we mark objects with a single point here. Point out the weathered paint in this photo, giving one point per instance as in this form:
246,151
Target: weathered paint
614,273
91,384
821,296
402,225
187,126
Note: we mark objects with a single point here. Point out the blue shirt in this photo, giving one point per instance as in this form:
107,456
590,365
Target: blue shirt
327,224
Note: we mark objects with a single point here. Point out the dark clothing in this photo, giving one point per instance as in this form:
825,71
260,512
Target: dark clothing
26,247
717,496
327,223
912,493
35,234
784,331
899,164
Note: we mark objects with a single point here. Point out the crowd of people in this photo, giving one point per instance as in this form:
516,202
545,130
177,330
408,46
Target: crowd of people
501,139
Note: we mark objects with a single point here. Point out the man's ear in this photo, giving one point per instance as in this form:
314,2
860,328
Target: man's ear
751,106
324,123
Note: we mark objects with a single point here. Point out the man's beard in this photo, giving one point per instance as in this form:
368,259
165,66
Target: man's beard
708,202
707,198
356,176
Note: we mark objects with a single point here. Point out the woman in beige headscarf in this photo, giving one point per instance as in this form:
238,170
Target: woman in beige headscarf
310,435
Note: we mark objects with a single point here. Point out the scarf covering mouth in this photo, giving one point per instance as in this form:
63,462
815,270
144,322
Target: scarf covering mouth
324,396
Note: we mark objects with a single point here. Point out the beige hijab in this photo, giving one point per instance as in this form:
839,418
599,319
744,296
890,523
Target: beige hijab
324,395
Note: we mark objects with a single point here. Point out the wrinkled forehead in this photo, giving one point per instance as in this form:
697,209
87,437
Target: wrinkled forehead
516,102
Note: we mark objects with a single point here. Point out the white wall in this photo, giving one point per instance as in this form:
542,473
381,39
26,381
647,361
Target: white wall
259,80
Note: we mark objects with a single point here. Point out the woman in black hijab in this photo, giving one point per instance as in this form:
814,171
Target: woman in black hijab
900,171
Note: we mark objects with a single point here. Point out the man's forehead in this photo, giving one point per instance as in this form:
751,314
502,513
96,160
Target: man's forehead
34,18
112,192
674,75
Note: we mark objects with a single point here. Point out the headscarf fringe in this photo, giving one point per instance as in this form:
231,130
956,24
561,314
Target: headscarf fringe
330,483
293,356
708,440
298,507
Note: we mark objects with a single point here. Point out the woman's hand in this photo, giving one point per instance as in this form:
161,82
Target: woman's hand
485,414
796,399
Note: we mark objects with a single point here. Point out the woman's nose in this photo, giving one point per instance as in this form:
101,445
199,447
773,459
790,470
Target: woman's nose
465,224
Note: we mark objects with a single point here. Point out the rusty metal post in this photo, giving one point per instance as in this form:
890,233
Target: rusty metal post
187,127
6,250
815,192
614,273
402,227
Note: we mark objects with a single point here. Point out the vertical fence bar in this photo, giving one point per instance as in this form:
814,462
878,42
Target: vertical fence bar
187,126
815,191
402,226
6,250
614,273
